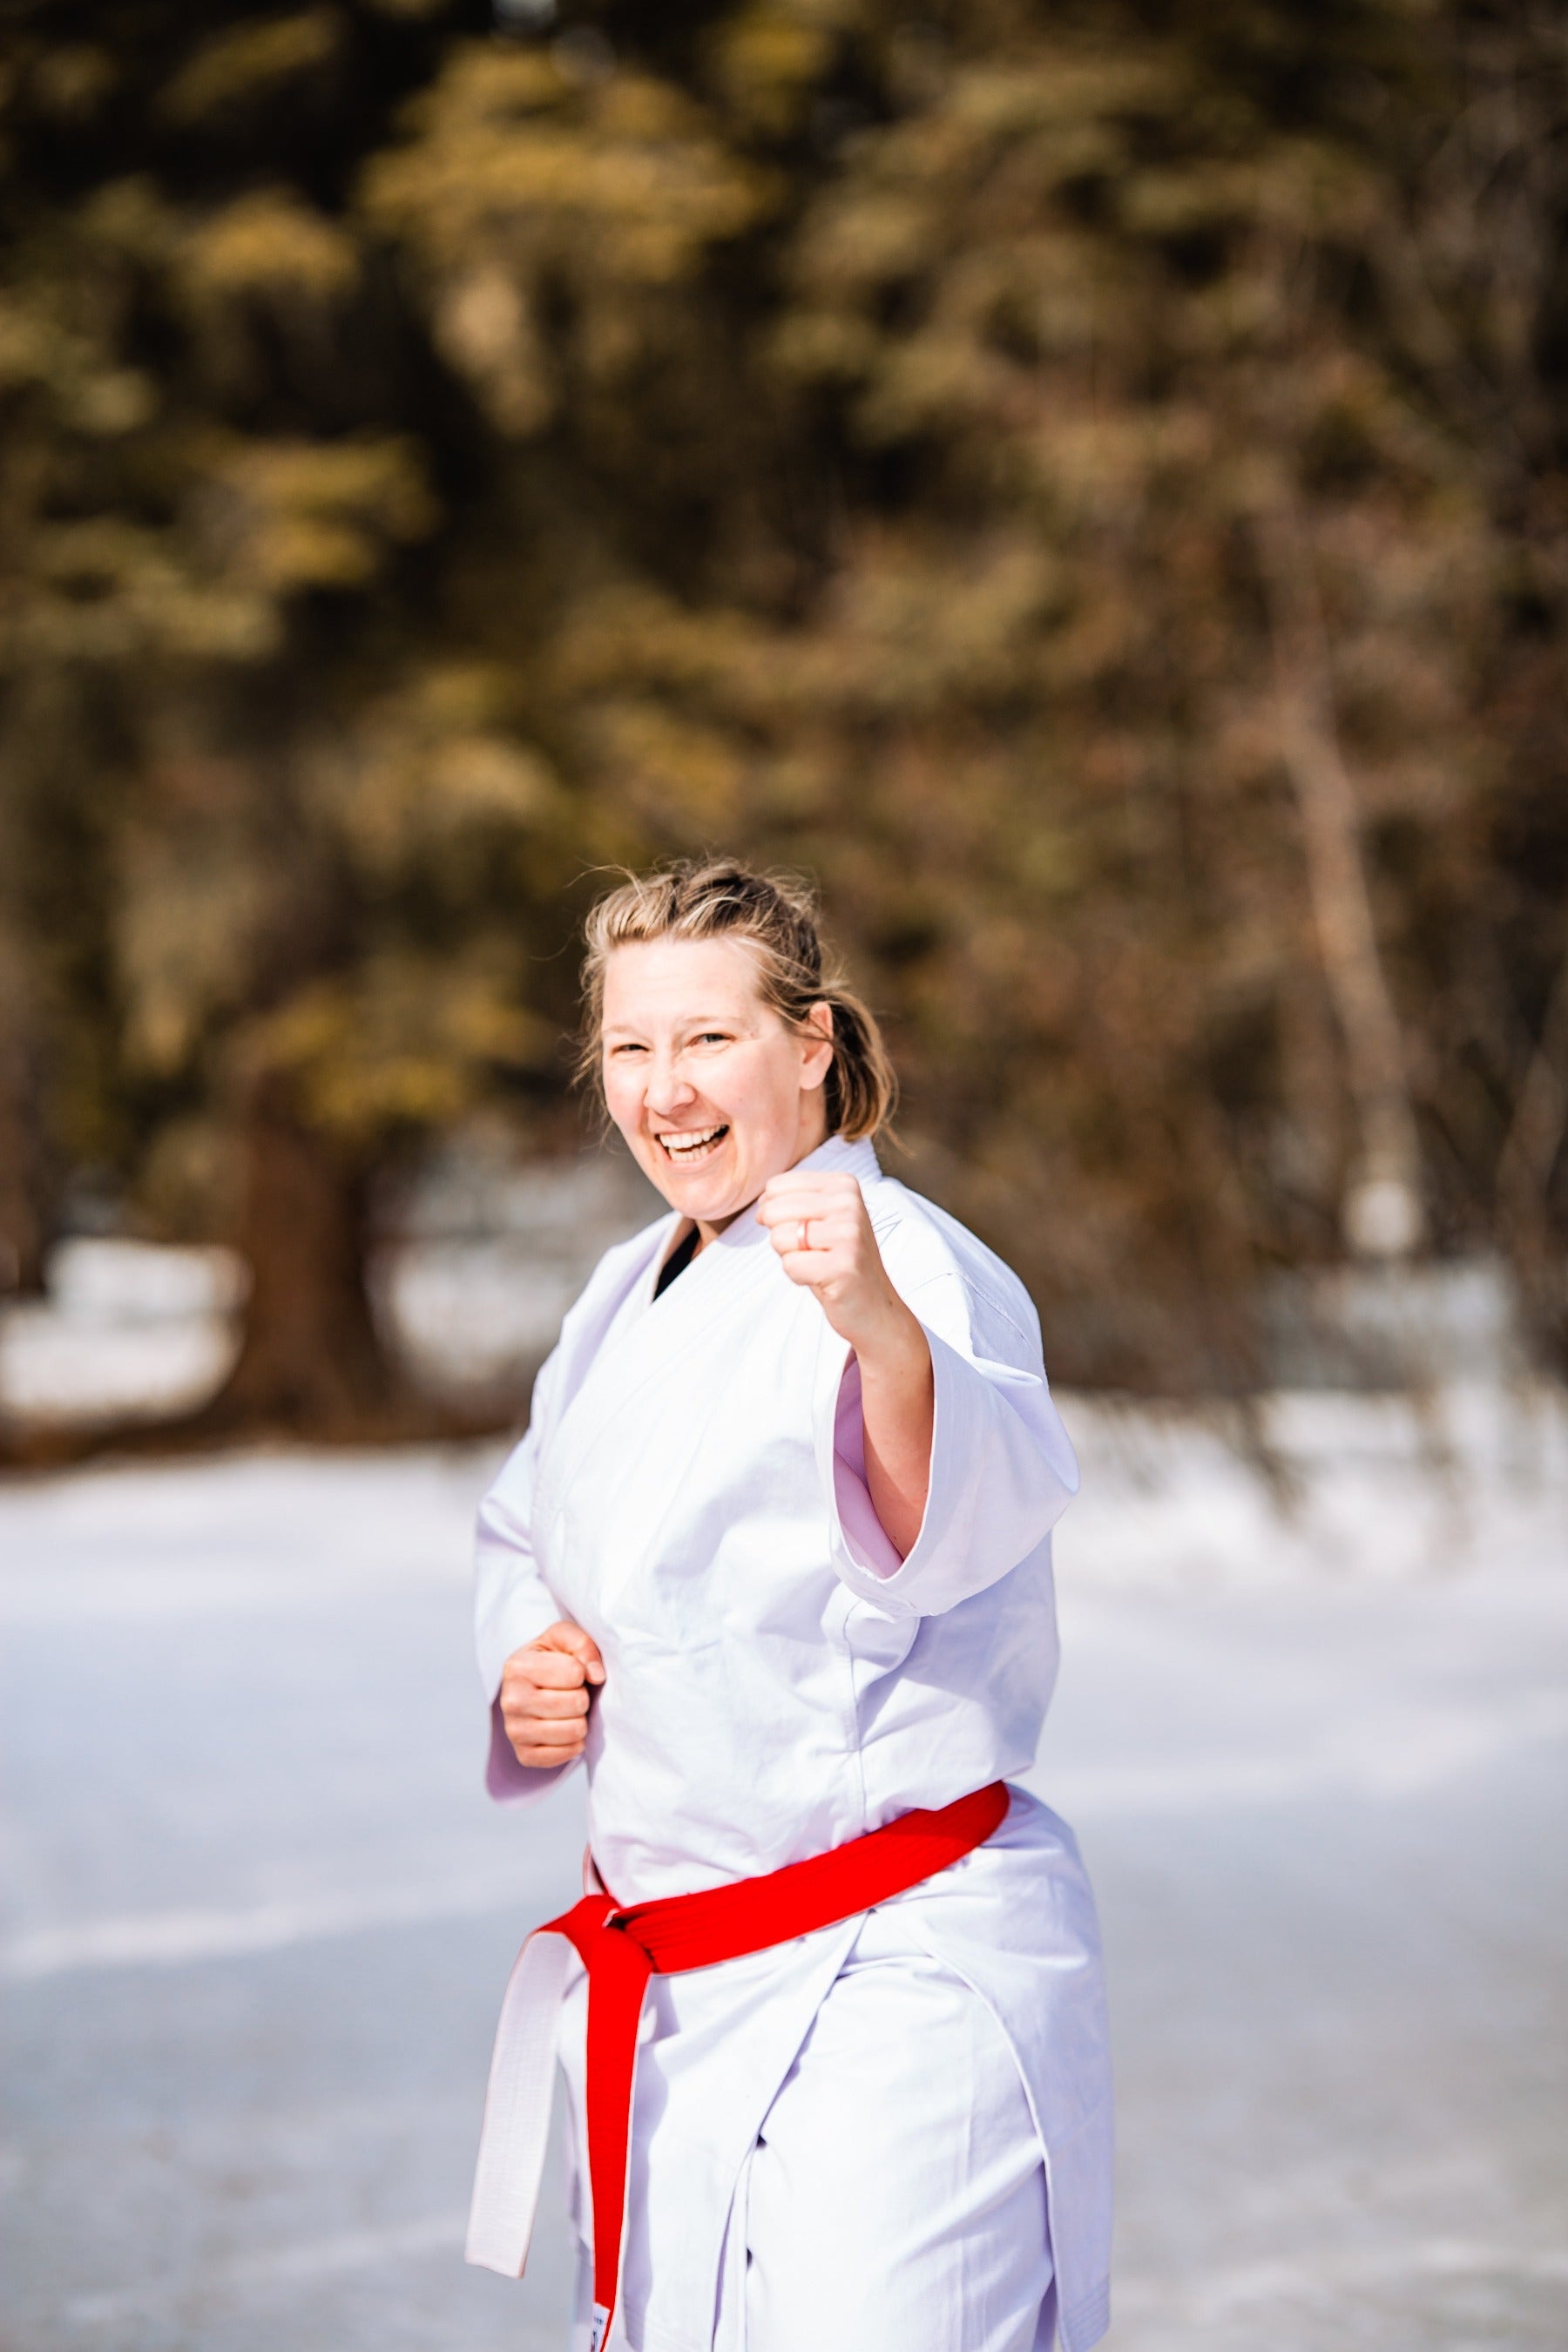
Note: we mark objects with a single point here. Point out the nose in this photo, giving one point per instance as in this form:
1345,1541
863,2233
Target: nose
667,1090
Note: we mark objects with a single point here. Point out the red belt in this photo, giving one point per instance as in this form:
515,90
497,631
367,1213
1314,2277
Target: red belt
621,1950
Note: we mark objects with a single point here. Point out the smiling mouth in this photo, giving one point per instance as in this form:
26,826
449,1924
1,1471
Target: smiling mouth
685,1150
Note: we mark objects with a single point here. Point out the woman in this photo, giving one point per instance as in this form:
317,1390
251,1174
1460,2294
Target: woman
774,1559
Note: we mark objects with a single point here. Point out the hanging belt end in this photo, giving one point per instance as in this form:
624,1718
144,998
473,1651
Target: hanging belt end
486,2250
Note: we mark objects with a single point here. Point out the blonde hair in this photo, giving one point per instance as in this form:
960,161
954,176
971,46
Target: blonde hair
776,917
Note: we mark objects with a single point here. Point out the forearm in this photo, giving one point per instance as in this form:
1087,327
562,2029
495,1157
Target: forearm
897,1408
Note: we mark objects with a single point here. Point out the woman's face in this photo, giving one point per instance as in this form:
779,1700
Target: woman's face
712,1092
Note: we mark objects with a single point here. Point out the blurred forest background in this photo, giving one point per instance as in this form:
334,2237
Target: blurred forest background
1088,482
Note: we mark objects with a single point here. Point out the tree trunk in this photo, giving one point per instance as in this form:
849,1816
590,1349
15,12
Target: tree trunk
1525,1169
311,1360
312,1363
1384,1216
24,1189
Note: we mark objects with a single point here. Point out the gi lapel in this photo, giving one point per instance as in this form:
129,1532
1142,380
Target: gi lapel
696,1314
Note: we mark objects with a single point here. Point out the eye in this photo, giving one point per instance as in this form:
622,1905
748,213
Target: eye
619,1053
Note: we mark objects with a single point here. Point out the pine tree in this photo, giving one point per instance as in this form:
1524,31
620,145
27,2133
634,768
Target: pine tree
323,846
1084,481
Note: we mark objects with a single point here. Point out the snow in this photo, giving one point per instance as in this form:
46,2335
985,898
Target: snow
256,1913
1316,1483
127,1329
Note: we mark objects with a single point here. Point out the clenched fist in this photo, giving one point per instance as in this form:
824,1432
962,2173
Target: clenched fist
819,1225
545,1693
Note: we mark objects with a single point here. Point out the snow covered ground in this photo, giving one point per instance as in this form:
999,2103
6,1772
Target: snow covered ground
1321,1486
1311,1726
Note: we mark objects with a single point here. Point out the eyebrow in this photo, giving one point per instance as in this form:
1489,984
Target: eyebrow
686,1021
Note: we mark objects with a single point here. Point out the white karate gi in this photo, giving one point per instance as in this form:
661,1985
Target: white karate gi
827,2151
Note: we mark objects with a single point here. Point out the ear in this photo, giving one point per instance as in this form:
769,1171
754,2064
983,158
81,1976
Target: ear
816,1042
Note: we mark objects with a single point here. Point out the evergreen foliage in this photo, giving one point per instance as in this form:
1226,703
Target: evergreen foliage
1085,480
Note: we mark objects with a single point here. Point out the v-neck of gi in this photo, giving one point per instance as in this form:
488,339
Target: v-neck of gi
745,1231
647,1334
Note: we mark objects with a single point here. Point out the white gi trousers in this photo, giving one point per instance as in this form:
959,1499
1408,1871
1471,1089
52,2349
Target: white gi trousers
894,2200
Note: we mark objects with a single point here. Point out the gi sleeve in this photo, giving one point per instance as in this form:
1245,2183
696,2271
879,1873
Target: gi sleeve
512,1603
1002,1466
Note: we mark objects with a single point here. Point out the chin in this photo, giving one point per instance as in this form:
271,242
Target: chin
709,1204
707,1195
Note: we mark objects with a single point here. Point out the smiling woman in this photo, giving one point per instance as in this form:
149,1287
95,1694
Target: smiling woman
773,1558
722,1063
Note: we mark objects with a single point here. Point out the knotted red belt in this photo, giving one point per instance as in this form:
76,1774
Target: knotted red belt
621,1950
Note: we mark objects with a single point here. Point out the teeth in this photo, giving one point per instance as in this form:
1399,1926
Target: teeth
684,1146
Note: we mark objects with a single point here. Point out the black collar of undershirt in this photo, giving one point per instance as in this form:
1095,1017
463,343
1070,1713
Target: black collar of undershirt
680,1259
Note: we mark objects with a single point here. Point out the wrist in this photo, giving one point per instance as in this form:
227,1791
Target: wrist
893,1347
